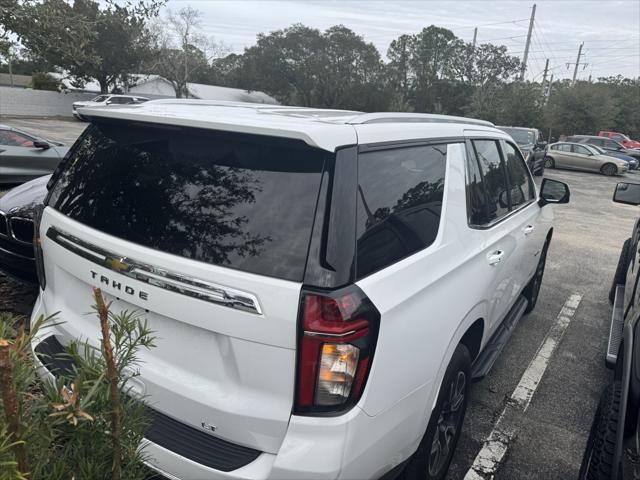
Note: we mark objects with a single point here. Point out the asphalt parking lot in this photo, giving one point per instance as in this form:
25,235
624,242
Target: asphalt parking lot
544,439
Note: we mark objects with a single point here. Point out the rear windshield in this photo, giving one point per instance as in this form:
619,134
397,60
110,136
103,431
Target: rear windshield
521,136
240,201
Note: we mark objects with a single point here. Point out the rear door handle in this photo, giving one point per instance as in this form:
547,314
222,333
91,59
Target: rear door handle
528,229
495,257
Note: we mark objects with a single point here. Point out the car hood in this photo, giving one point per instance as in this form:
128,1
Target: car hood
25,197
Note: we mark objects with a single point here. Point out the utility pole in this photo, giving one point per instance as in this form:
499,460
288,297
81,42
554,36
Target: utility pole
575,70
475,35
523,67
548,93
544,77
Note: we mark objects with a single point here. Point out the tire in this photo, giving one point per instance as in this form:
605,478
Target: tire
429,462
532,290
609,169
620,277
597,462
549,162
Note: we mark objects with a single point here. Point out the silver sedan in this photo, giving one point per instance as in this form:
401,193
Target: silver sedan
577,156
24,156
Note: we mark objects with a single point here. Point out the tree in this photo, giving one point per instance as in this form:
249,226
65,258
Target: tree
584,108
82,38
304,66
183,52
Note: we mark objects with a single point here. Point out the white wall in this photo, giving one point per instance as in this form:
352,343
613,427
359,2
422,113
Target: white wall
38,103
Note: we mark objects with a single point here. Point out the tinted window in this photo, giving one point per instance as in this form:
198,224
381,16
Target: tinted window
120,100
494,178
617,137
399,202
476,196
563,147
239,201
611,144
15,139
521,190
581,150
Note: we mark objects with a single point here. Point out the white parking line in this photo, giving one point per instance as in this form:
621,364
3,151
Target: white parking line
495,446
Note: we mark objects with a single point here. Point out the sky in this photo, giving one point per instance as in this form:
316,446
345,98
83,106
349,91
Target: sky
610,29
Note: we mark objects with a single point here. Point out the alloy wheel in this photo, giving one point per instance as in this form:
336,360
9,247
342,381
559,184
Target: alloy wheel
449,423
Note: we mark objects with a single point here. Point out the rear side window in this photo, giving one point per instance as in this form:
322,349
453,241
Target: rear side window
494,178
239,201
399,203
521,188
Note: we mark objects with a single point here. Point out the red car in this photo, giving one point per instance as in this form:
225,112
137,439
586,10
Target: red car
620,137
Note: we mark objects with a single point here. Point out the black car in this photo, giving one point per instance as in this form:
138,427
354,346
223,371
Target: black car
531,144
615,426
16,228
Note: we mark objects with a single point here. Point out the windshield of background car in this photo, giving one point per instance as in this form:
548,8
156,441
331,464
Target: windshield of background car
522,137
241,201
100,98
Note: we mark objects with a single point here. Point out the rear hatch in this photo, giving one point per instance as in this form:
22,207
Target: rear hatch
207,233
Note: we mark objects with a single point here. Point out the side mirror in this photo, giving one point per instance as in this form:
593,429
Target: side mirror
553,191
41,144
628,193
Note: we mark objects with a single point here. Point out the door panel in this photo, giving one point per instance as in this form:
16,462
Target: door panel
19,164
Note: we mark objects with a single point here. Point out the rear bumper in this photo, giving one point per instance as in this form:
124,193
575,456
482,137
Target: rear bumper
353,445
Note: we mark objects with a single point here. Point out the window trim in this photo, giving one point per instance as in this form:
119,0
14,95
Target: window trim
470,150
532,184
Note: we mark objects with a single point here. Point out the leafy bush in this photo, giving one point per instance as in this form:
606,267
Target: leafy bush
78,426
44,81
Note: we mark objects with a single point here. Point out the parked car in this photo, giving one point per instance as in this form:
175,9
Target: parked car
615,425
621,138
24,156
605,143
576,156
631,162
532,146
102,100
292,269
17,208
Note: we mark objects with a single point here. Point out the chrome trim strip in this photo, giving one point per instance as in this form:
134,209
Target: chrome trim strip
158,277
6,224
335,335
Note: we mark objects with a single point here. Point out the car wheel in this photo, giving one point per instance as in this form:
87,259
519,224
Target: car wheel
433,456
549,162
597,462
609,169
620,277
532,290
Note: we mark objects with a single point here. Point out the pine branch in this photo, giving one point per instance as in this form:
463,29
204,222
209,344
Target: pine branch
112,378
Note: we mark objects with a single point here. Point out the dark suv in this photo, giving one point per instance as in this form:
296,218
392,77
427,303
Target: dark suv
616,425
531,144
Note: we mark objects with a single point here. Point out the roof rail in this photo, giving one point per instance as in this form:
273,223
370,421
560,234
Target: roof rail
392,117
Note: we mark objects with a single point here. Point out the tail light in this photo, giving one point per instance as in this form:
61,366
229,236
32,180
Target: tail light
37,246
338,335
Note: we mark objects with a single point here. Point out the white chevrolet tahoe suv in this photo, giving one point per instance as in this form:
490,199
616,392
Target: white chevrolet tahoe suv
324,284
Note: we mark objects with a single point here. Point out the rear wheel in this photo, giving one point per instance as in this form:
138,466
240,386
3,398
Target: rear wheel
620,277
431,460
609,169
597,462
549,162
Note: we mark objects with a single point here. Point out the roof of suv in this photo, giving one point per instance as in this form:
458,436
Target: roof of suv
323,128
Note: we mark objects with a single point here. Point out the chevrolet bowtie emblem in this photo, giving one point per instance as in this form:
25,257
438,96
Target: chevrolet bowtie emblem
118,264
